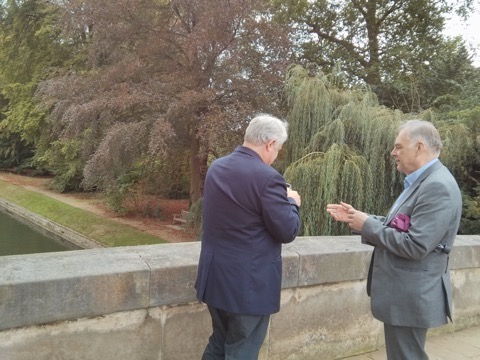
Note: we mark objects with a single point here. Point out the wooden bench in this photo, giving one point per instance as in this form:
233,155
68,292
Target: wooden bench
181,218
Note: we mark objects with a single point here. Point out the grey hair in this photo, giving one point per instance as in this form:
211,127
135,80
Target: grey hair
423,130
264,128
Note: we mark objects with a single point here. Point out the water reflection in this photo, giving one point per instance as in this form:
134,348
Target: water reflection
16,237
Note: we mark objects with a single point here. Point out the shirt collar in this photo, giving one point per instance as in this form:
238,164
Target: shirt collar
410,179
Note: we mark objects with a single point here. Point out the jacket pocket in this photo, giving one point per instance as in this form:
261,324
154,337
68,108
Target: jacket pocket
409,265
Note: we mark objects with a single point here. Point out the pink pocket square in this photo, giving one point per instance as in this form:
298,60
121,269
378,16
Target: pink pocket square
401,222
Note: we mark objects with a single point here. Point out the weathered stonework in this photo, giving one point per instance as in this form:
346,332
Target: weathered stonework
138,303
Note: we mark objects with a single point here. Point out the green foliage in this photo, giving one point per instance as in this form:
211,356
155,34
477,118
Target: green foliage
14,152
344,153
125,102
368,38
397,48
21,125
458,148
471,213
436,82
312,100
118,193
62,159
30,50
459,123
326,177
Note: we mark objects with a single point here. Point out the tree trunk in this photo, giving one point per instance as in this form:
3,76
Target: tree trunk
373,71
198,170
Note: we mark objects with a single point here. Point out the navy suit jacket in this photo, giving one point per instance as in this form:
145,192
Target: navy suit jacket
246,218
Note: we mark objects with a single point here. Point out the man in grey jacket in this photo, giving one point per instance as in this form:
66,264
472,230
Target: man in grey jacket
409,280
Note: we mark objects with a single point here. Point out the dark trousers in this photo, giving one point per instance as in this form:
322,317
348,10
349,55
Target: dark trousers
235,336
405,343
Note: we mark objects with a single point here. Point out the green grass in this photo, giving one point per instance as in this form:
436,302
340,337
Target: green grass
102,230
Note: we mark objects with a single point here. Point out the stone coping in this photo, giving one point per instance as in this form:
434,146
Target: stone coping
49,287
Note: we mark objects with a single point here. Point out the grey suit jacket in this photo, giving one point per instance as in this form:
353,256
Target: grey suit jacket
410,282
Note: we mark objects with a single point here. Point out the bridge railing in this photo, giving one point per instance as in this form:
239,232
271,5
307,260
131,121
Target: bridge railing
139,302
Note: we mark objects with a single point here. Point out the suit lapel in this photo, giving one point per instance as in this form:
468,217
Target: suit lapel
411,189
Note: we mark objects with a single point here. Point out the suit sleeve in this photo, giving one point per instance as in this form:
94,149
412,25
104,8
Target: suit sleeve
429,223
281,215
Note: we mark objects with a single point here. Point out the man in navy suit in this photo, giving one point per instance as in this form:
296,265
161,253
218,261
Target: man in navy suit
248,213
409,278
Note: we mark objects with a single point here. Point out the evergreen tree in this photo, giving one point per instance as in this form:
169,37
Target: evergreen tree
30,51
385,44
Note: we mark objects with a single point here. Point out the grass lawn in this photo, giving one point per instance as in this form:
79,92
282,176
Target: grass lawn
102,230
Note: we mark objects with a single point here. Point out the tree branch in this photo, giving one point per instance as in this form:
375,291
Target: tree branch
351,49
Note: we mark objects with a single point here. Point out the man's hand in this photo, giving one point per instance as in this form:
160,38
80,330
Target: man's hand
356,219
339,212
294,195
348,214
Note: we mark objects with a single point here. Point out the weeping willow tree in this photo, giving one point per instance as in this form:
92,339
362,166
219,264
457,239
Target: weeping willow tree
338,149
458,147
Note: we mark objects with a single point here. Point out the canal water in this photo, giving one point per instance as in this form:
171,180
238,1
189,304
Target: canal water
17,237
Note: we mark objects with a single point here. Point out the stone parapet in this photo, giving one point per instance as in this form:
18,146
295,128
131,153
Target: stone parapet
139,302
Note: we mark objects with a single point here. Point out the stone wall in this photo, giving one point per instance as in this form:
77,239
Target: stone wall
138,303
